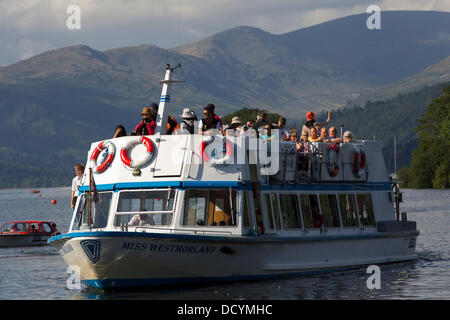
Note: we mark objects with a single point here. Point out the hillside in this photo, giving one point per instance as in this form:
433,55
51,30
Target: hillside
53,105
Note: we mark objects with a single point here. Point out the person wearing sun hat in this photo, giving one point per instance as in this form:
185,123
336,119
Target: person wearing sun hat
234,128
147,125
311,122
187,125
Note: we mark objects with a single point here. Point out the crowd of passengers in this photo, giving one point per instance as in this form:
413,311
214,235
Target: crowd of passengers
312,131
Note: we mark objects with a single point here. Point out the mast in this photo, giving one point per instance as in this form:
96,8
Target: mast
164,101
395,156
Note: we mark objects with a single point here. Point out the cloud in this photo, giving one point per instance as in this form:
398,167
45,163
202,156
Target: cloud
29,26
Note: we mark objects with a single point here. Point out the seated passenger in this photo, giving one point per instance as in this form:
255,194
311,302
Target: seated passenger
148,124
268,132
293,135
208,122
33,228
233,129
314,135
284,134
142,220
332,135
324,134
187,124
120,132
348,137
311,122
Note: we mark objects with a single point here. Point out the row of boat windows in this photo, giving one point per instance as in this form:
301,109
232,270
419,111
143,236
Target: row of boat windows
304,211
218,208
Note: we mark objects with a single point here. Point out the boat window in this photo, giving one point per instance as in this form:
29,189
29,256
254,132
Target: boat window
246,213
310,210
330,211
15,227
99,211
276,210
365,208
45,228
290,211
210,208
348,210
269,210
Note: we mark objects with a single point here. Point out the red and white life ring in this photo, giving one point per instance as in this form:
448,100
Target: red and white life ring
134,164
111,151
333,167
359,164
214,161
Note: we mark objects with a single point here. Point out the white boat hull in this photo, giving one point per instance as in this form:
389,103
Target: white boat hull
141,260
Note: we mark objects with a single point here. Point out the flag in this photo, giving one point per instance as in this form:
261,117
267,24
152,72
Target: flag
95,195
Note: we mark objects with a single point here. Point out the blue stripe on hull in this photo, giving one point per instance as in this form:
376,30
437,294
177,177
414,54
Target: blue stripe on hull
112,283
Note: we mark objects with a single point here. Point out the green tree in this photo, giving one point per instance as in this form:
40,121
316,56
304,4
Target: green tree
430,160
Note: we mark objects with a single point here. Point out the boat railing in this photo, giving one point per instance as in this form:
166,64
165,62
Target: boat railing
177,230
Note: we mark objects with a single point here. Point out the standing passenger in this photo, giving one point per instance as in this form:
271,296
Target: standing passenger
208,122
76,183
148,124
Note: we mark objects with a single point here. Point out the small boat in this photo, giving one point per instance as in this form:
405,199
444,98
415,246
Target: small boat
26,233
33,191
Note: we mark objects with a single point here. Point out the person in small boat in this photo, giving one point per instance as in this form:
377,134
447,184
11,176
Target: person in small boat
141,220
314,135
311,122
208,122
147,125
332,135
33,228
77,181
120,131
187,125
348,137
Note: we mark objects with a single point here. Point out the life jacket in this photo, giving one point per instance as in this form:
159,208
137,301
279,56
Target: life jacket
144,129
172,125
210,125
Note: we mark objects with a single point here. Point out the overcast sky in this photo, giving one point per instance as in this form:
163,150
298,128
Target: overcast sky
30,27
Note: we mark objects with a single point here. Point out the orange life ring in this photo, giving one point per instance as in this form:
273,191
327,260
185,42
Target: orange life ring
222,161
333,167
133,163
109,158
359,164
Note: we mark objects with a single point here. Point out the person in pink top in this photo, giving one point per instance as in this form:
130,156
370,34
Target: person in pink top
147,125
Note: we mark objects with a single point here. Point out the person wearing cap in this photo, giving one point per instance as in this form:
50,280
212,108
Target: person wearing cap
172,124
147,125
234,129
311,122
187,125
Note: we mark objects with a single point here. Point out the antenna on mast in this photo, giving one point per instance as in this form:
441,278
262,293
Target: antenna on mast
164,100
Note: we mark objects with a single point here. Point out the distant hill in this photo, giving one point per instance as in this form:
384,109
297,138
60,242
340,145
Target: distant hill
53,105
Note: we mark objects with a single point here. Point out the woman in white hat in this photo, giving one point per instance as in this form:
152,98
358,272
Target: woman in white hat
187,124
234,128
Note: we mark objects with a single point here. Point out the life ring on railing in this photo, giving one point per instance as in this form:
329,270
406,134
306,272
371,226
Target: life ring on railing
359,163
333,167
134,164
213,161
111,151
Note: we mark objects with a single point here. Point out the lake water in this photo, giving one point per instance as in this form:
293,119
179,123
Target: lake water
40,273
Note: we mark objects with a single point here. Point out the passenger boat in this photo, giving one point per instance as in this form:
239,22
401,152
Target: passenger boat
175,209
26,233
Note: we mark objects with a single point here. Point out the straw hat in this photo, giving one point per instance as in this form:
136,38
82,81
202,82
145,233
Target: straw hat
236,120
146,110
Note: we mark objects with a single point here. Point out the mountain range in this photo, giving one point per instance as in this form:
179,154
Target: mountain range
53,105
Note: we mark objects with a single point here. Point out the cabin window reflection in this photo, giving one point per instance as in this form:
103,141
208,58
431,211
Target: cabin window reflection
348,210
269,210
290,211
246,213
210,208
99,211
365,209
330,211
310,211
276,211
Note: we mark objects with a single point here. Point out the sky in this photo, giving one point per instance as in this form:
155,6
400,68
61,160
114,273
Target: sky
30,27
